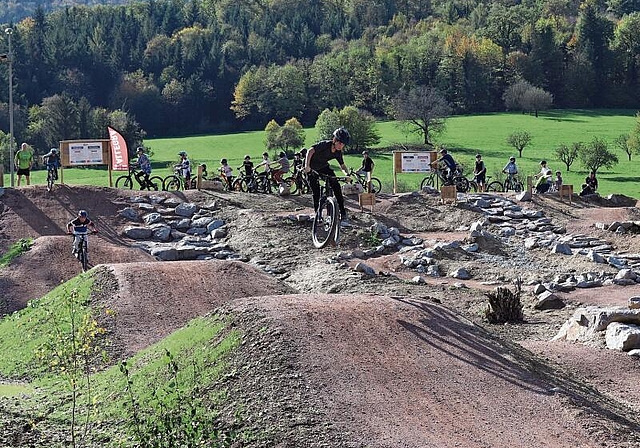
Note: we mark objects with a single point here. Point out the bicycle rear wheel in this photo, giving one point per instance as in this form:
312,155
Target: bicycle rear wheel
376,185
155,183
124,182
325,227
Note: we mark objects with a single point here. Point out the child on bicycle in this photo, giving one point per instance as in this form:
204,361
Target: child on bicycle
78,227
185,169
144,164
480,173
511,169
226,171
284,163
52,162
247,165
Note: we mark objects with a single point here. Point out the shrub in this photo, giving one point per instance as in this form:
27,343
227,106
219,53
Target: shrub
504,305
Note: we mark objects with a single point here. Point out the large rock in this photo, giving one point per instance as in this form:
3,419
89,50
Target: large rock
130,214
623,337
138,233
588,321
186,209
549,301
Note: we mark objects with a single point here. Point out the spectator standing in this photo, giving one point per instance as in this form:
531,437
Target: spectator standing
543,182
480,172
23,161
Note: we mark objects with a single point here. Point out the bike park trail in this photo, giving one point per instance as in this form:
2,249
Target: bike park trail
362,370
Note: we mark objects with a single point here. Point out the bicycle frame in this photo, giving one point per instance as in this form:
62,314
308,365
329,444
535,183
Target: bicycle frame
326,227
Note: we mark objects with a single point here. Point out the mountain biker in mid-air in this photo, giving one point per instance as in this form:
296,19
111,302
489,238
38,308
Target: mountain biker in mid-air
317,159
52,162
80,226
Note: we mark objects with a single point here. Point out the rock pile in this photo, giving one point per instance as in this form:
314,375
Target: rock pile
170,229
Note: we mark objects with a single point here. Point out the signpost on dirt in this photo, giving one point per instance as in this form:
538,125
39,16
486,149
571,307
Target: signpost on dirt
75,153
411,162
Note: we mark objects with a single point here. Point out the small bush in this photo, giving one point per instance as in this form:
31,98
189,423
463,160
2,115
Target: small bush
504,305
16,250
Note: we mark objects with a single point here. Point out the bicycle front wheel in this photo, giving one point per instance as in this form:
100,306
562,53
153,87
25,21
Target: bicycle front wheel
428,181
495,187
326,228
171,183
155,183
124,182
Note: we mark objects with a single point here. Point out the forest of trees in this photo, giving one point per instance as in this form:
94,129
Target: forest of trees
170,67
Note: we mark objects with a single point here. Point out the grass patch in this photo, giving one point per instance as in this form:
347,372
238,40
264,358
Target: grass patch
22,334
168,389
15,251
464,135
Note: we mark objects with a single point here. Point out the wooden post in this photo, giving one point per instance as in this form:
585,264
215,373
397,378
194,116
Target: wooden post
566,190
530,184
199,178
1,175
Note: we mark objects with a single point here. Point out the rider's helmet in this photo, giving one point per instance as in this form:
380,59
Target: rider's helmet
543,162
512,159
342,135
443,151
247,157
82,214
54,151
365,153
265,154
282,154
182,154
223,161
139,149
478,156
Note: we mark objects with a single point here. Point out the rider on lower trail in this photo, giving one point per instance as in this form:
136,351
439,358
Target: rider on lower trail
80,226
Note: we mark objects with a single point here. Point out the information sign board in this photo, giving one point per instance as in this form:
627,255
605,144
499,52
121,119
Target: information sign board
86,153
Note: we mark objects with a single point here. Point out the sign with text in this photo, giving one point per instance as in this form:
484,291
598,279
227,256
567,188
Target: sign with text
413,162
85,153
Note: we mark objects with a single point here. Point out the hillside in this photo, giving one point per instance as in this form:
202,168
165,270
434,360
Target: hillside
330,356
13,11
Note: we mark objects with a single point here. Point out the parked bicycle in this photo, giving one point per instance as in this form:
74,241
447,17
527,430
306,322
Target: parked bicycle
125,181
175,181
299,182
438,176
326,221
510,183
375,186
266,183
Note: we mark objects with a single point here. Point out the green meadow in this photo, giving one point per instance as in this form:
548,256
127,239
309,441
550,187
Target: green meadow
464,137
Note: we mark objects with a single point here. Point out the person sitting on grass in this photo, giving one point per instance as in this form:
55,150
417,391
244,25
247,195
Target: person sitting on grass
590,185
